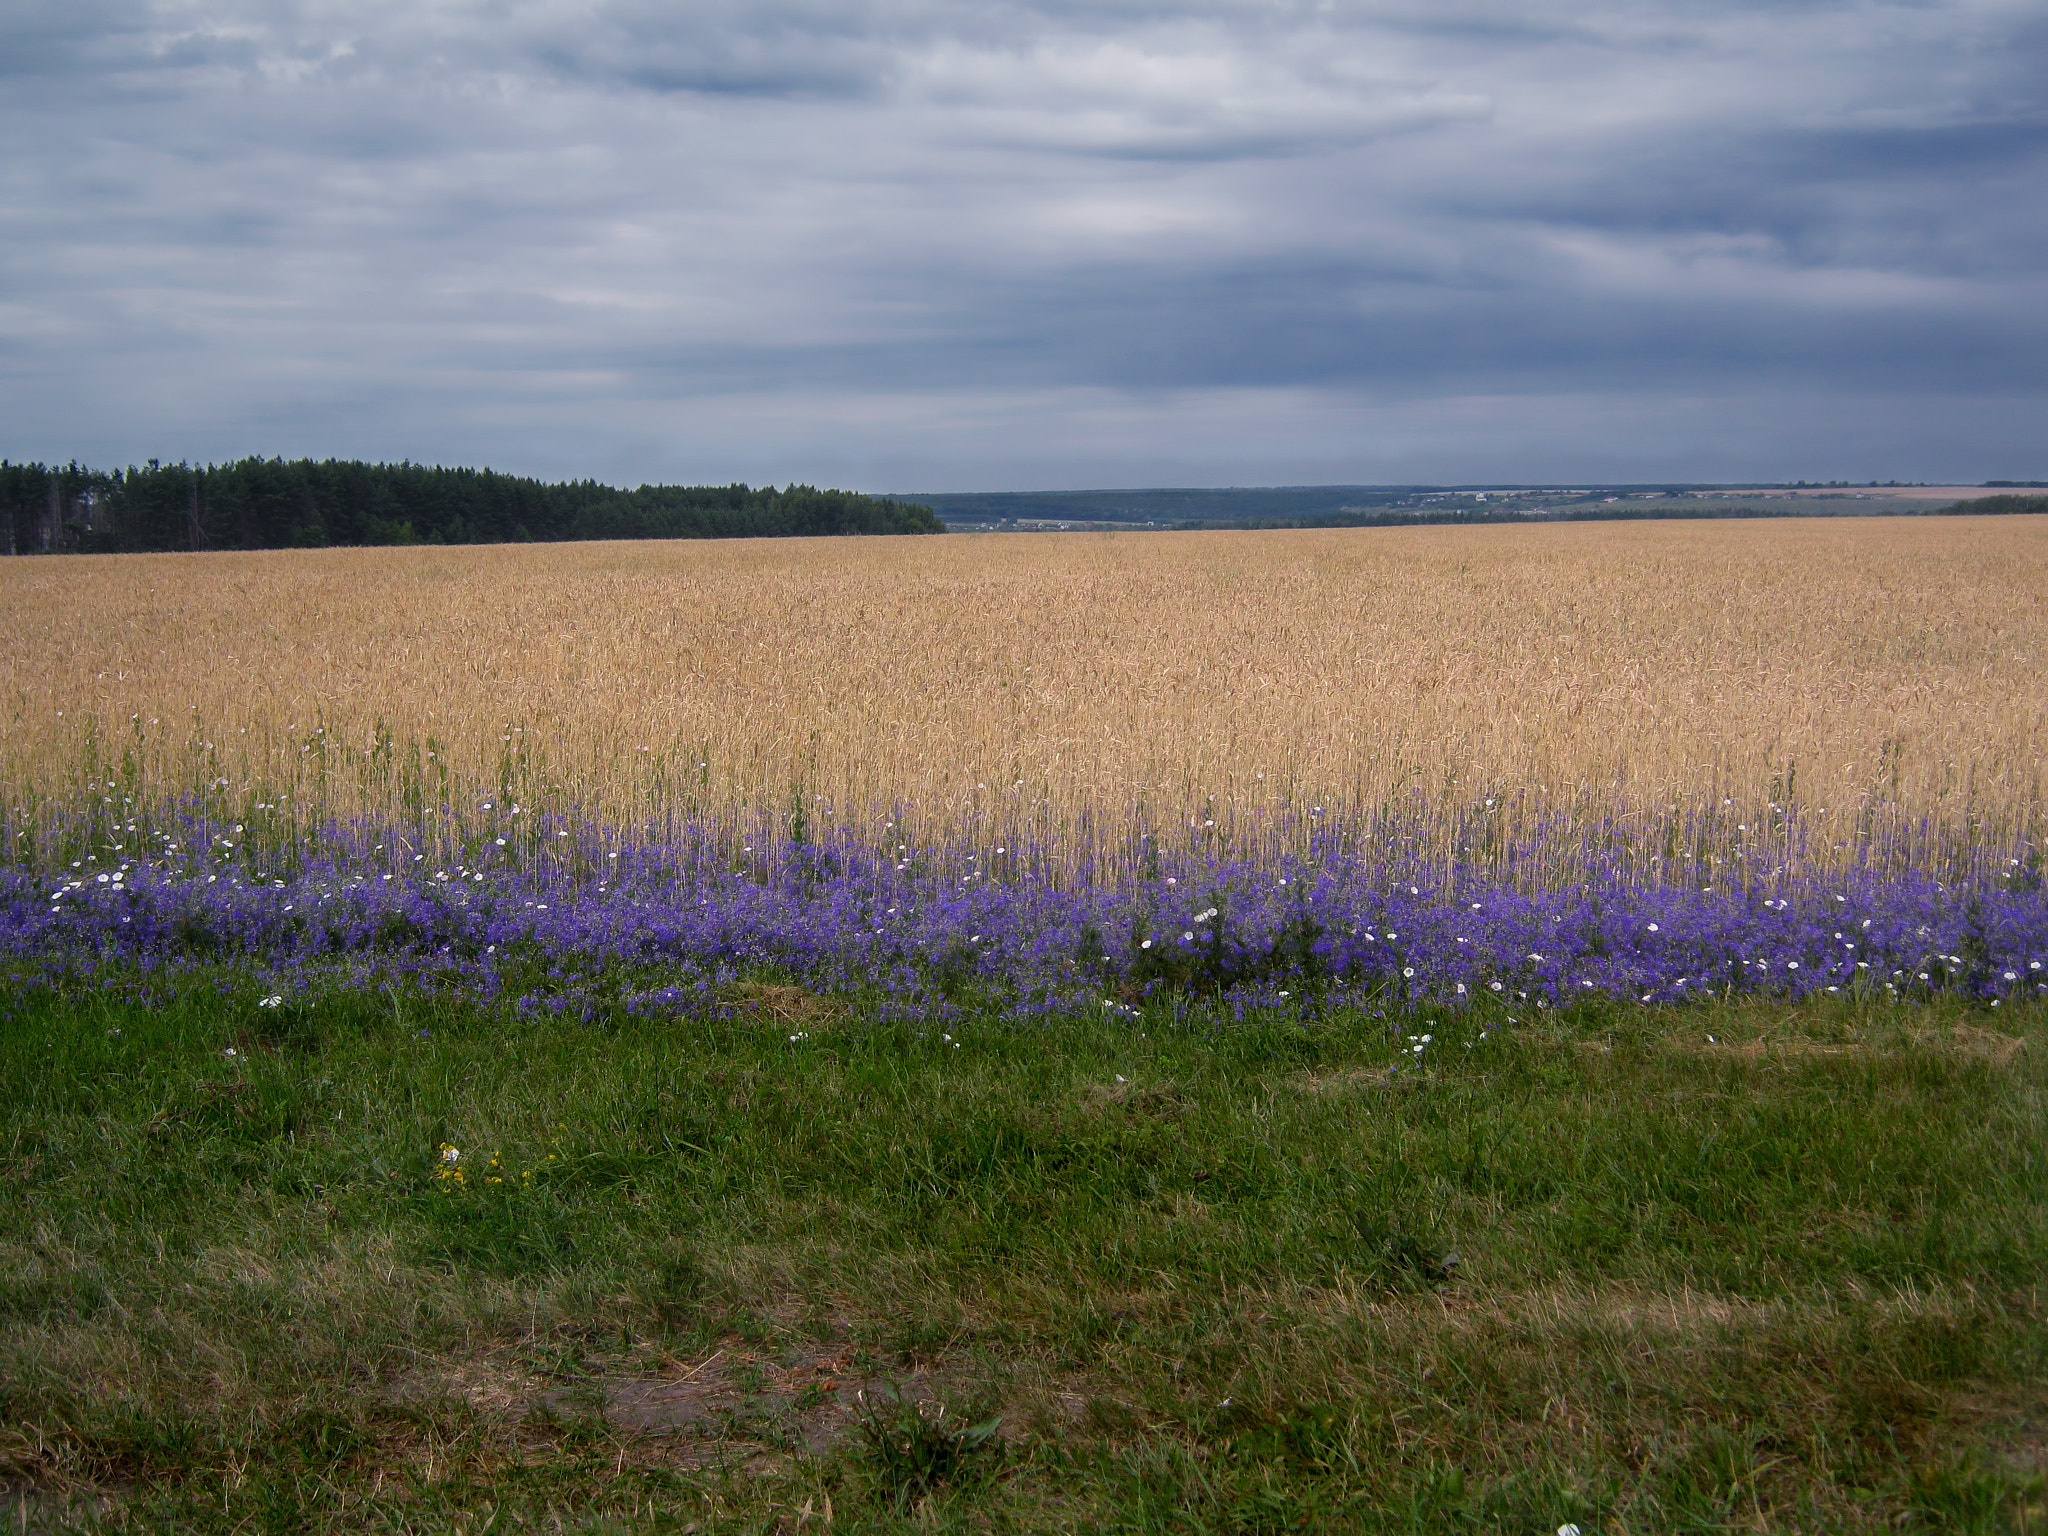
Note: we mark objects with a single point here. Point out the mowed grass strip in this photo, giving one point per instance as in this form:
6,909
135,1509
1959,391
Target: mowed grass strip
1634,1269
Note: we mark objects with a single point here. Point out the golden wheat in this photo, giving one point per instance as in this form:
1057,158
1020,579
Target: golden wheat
1076,685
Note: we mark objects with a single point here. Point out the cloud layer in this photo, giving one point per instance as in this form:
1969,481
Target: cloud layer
897,244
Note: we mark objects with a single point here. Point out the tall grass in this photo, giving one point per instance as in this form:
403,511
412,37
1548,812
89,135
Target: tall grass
1836,686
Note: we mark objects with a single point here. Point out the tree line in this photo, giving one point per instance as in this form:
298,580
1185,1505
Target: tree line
259,503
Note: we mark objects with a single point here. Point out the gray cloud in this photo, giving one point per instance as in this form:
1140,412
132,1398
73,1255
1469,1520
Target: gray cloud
888,242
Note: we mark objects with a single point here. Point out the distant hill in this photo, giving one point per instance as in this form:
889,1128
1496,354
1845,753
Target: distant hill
285,504
1382,506
1170,506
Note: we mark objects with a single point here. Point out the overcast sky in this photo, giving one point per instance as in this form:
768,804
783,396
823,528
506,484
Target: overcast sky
968,244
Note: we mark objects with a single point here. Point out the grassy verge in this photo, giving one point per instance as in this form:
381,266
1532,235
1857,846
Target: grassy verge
385,1262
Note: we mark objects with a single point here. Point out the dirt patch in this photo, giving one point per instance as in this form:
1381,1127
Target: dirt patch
1350,1080
736,1403
32,1510
788,1005
1160,1100
490,1383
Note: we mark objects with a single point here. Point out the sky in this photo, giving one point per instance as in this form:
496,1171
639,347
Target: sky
1032,244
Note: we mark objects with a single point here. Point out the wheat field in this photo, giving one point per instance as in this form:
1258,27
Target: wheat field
1073,688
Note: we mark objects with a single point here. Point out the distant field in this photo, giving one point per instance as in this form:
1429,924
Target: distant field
1384,506
1072,688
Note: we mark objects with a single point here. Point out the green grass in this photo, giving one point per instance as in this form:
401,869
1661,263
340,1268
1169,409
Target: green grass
1201,1275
